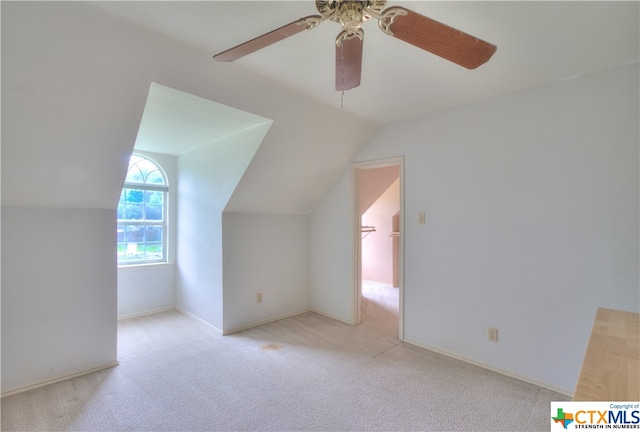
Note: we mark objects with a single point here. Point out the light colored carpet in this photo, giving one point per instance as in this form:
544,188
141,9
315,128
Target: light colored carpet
304,373
379,306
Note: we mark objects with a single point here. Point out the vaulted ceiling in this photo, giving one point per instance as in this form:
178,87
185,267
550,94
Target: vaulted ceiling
78,90
76,77
538,43
174,122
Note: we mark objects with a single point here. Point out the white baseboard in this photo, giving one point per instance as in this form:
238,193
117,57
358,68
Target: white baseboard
139,314
542,384
60,379
324,314
270,320
200,320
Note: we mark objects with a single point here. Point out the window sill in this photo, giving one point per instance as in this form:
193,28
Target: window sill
145,267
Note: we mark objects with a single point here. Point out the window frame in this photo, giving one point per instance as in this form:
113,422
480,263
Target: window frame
164,223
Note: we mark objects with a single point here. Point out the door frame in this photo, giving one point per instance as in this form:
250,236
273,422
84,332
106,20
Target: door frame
357,238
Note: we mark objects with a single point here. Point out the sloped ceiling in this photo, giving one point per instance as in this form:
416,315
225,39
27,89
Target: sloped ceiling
75,81
373,182
76,75
175,122
538,43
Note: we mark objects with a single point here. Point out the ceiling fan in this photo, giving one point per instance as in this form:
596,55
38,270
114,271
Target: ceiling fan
401,23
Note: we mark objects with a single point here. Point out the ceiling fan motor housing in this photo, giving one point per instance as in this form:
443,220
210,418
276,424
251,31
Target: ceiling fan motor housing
349,13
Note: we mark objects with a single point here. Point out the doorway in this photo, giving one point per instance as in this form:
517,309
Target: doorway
378,205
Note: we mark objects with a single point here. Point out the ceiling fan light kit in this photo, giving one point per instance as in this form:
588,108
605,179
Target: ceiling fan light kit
403,24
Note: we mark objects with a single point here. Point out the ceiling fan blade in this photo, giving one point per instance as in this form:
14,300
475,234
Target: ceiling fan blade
435,37
306,23
348,60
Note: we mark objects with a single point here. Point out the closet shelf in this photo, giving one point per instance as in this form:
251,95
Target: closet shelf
366,230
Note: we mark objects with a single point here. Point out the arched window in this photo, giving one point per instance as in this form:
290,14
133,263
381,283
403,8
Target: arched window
142,213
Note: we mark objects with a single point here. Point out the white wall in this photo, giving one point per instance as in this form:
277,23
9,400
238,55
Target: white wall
148,288
532,223
74,84
331,248
267,254
58,293
207,177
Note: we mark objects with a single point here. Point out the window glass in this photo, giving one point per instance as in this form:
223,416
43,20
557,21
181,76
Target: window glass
142,222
